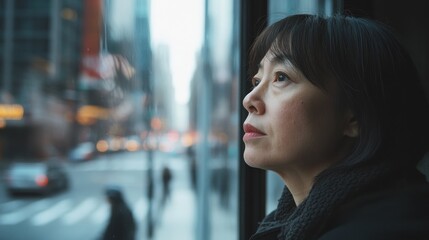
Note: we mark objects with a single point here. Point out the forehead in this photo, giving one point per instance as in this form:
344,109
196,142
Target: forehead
272,59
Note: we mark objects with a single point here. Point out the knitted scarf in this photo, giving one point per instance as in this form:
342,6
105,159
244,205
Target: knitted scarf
330,189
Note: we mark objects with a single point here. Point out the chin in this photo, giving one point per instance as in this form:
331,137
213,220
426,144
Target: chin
253,162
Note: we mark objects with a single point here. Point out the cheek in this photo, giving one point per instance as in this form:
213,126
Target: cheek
289,125
303,126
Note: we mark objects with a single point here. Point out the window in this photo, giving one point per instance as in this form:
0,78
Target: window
140,96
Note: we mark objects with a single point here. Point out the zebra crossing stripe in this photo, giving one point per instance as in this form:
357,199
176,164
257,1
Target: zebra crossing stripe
23,213
113,164
140,208
44,211
80,212
52,213
101,214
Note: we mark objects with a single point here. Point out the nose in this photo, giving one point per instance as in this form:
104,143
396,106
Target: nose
253,102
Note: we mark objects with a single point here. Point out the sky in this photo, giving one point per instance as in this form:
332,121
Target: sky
180,26
177,24
121,25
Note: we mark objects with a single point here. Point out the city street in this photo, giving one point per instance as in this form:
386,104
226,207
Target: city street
82,211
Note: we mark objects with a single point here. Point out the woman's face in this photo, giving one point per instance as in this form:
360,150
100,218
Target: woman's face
291,123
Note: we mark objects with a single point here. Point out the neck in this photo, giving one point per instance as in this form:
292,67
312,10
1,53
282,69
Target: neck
298,186
299,179
300,182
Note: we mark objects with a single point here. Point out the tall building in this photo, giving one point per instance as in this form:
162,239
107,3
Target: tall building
40,44
38,38
163,88
143,62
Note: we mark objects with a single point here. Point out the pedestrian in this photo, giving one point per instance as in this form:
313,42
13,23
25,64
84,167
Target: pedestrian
224,186
166,182
121,224
190,152
337,111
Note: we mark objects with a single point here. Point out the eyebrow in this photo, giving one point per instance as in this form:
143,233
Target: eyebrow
276,60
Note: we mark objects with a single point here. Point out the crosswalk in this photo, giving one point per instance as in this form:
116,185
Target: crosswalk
125,164
63,211
112,164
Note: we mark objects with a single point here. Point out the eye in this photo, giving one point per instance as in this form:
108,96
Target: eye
281,77
255,82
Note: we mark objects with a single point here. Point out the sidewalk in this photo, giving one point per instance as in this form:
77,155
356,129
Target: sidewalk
177,220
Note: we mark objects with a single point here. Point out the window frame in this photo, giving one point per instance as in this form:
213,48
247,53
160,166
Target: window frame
252,182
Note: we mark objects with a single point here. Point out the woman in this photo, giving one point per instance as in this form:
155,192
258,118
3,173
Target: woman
337,111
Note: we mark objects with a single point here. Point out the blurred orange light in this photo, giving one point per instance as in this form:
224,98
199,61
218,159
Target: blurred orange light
102,146
132,145
188,140
156,123
11,111
88,114
85,120
2,123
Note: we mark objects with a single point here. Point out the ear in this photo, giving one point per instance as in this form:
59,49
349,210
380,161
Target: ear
351,128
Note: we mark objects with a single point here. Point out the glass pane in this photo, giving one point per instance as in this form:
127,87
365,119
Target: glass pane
221,51
119,99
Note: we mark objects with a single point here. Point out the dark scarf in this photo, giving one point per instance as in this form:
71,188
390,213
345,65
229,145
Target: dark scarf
330,189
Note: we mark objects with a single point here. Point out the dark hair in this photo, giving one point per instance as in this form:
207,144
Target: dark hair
376,78
114,193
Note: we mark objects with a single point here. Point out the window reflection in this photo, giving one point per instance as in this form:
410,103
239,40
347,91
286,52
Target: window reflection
93,87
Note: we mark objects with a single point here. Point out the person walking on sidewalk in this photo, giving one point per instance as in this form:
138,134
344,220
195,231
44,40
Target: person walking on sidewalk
166,184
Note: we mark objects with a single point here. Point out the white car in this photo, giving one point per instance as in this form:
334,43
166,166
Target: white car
42,177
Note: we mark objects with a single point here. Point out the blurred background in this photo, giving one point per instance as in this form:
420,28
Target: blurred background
144,95
124,92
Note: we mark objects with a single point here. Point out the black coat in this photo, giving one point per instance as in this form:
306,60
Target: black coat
392,212
121,225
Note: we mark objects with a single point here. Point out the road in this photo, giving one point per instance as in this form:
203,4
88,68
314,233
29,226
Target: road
82,211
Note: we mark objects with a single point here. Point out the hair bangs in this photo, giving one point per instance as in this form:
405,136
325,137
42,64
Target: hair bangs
261,46
300,40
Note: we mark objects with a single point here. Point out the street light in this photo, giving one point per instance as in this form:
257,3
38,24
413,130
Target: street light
148,106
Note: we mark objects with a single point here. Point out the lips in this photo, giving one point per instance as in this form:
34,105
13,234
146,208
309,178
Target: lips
249,128
251,132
